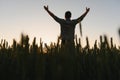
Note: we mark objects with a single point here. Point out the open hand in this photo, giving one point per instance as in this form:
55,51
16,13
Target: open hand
87,9
46,7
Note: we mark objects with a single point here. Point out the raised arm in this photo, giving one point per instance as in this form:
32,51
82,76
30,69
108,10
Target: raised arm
49,12
83,15
57,19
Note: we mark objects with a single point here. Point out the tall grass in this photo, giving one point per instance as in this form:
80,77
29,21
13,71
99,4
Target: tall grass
25,61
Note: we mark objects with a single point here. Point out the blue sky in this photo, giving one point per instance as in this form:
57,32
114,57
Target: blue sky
29,17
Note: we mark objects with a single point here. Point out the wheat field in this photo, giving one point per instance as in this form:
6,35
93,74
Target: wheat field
24,61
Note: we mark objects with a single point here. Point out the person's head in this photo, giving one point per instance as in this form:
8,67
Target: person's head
67,14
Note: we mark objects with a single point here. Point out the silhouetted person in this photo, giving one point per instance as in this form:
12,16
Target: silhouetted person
67,25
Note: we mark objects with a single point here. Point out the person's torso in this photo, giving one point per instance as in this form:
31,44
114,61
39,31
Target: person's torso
67,29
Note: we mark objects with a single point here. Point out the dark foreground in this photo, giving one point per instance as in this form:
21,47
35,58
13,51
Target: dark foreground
22,61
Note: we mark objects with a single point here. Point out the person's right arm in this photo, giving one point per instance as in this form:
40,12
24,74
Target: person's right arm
51,14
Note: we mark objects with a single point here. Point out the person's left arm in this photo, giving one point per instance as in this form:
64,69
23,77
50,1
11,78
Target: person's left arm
83,15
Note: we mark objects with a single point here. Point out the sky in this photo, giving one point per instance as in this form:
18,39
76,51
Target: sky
29,17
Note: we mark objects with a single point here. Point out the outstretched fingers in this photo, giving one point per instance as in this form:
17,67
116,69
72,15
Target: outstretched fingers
46,7
87,9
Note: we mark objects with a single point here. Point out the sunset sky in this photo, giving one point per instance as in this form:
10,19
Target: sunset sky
29,17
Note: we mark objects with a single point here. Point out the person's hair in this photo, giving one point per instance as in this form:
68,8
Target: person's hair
67,14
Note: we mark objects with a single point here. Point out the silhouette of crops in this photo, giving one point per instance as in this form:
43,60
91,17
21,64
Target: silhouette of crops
24,61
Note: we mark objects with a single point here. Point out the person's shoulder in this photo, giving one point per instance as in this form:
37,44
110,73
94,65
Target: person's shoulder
74,21
60,20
